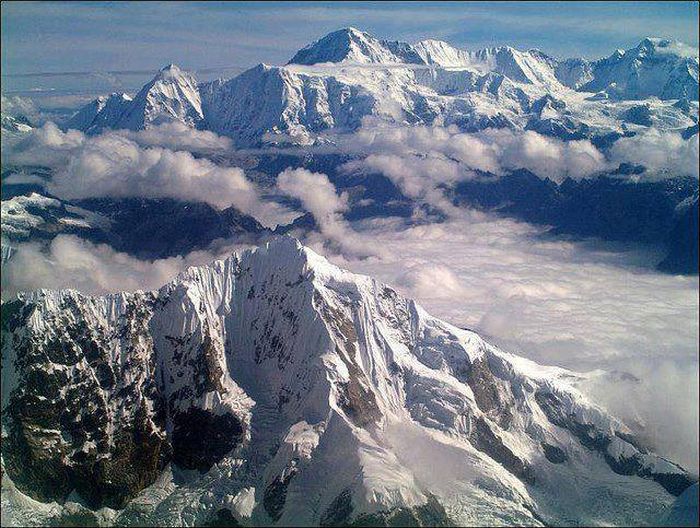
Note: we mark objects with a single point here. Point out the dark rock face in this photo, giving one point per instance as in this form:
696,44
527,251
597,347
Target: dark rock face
275,494
554,454
201,438
489,394
82,420
339,511
484,439
357,401
430,514
222,518
59,418
674,483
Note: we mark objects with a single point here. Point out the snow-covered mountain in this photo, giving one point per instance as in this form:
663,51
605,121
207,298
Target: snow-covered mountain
172,95
347,75
655,68
275,388
352,46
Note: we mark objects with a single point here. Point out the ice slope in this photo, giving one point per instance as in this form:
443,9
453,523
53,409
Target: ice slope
275,388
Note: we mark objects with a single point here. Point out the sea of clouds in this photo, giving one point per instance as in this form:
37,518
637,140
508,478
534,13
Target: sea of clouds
583,305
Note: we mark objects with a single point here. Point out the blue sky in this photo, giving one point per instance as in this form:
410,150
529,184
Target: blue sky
115,36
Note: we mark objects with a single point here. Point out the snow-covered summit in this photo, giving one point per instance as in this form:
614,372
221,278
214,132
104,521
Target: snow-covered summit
302,394
172,95
656,67
350,45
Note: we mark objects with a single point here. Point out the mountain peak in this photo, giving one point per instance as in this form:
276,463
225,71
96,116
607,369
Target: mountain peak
332,364
665,46
350,45
171,71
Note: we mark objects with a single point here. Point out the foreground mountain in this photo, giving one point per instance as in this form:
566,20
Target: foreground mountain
348,75
274,388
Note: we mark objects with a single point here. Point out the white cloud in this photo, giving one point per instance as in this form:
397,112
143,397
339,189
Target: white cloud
545,156
115,165
319,196
71,262
178,136
662,153
46,146
111,165
421,161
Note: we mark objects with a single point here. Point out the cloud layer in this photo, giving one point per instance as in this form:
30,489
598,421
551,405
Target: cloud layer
320,197
423,161
71,262
132,164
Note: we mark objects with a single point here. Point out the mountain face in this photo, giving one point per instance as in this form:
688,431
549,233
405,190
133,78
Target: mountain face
347,75
172,95
655,68
274,388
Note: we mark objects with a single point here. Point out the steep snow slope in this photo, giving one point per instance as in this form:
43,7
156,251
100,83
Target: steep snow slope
103,112
275,388
531,67
172,95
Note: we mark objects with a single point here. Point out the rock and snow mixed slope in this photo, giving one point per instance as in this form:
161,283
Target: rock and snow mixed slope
347,75
126,224
275,388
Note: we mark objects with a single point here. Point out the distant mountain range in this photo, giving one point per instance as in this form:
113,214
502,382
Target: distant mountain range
348,75
336,83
